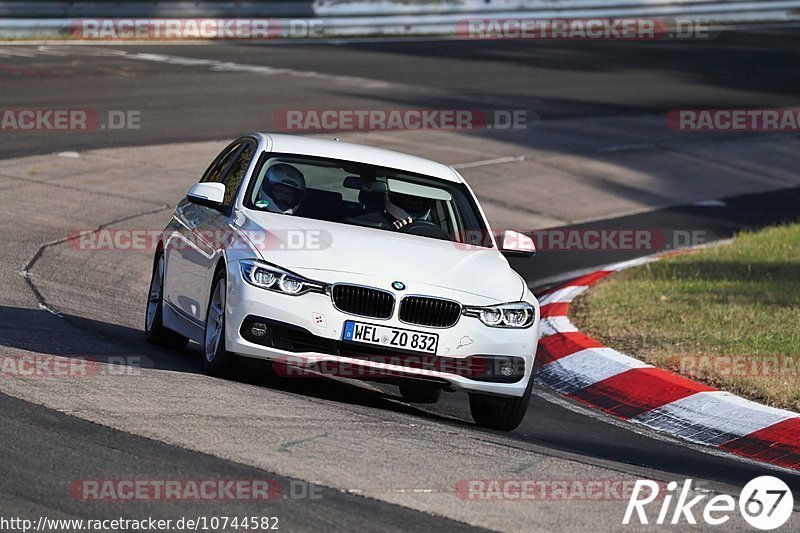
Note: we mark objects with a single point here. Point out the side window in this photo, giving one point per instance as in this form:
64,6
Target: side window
221,163
235,176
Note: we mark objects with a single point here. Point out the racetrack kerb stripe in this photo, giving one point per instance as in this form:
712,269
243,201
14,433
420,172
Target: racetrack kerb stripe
654,397
554,309
776,444
558,345
653,388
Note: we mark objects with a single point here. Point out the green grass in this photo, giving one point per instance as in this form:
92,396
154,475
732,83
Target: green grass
736,300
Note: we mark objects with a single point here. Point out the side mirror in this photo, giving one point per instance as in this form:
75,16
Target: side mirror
515,244
208,194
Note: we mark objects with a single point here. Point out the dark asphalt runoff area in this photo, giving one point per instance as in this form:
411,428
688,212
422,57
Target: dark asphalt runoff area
556,80
68,448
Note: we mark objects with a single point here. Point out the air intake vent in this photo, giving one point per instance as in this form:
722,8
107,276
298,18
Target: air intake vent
363,301
431,312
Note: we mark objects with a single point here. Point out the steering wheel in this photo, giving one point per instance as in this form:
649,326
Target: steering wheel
425,228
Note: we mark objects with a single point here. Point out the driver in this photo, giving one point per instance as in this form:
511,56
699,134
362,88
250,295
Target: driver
406,208
282,189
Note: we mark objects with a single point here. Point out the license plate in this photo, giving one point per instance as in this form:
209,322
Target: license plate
403,339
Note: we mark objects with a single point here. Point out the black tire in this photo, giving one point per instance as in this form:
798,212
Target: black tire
154,329
220,361
420,393
498,412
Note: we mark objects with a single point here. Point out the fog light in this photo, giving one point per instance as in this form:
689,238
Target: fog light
258,329
507,368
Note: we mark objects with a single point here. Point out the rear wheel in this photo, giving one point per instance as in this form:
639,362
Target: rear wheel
420,393
154,329
217,359
498,412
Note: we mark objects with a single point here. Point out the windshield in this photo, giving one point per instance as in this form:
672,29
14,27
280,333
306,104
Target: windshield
369,196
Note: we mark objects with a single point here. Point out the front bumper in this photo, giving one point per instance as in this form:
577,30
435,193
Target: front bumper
320,327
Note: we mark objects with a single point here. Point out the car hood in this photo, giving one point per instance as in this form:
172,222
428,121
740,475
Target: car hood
319,249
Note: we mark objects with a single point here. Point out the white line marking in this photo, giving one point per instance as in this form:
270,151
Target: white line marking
709,203
226,66
626,147
52,51
330,41
21,52
485,162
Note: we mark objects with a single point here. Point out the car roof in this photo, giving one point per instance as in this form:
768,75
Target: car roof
360,153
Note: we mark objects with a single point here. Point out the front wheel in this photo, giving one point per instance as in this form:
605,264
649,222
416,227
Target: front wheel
217,359
154,329
497,412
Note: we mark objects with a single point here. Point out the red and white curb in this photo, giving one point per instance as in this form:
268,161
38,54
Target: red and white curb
582,369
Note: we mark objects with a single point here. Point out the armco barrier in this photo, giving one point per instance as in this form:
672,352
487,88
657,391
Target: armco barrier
342,18
51,9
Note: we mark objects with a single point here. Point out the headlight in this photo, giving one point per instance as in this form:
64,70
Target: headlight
510,315
270,277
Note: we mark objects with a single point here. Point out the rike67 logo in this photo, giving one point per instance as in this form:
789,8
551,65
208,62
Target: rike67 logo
765,503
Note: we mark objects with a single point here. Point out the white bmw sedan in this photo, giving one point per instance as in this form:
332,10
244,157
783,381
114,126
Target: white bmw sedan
323,257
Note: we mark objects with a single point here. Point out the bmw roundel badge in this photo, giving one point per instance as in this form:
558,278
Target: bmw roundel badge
398,285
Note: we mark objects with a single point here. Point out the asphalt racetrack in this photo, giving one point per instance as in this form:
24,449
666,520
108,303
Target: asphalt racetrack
596,154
